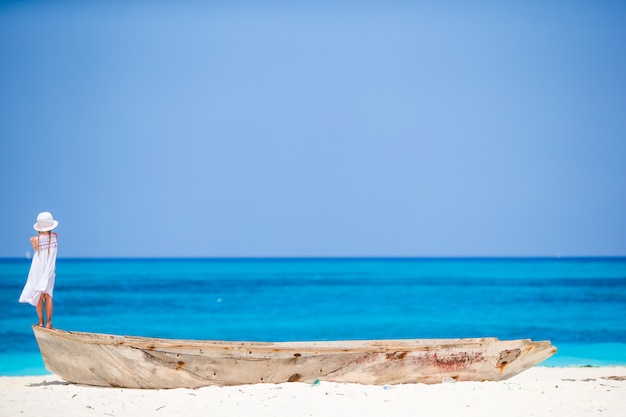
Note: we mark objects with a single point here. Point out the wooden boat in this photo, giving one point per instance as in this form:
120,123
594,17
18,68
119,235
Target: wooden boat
140,362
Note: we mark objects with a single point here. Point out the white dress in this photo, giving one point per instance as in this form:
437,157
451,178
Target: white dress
42,271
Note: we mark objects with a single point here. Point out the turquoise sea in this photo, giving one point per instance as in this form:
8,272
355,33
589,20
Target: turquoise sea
577,303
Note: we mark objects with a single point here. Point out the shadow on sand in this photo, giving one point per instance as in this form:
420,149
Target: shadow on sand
45,383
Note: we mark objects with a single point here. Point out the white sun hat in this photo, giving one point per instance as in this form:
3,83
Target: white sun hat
45,222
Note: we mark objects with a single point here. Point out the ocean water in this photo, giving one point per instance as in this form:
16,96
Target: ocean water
577,303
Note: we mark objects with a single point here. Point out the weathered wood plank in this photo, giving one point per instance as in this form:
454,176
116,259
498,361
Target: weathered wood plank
137,362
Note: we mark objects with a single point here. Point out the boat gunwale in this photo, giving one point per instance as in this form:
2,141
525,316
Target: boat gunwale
342,346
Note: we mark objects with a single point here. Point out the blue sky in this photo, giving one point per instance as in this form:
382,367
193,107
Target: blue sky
234,128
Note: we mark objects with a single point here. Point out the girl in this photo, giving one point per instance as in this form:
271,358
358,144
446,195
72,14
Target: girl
40,282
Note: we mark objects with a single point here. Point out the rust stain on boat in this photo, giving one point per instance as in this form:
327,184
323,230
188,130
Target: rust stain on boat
366,358
451,362
396,355
294,378
506,357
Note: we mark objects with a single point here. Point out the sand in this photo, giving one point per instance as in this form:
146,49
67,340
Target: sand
540,391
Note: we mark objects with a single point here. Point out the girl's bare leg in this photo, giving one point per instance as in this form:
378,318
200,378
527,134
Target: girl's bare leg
48,311
39,309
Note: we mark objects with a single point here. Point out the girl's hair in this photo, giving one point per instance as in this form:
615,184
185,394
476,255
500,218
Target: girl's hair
49,232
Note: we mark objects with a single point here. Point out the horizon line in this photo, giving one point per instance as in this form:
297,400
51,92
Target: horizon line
353,257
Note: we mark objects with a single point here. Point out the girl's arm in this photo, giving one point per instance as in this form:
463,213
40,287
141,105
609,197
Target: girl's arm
34,241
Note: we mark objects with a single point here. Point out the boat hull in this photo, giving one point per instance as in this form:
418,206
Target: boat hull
138,362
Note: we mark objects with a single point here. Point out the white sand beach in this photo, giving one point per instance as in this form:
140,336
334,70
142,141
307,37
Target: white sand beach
540,391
